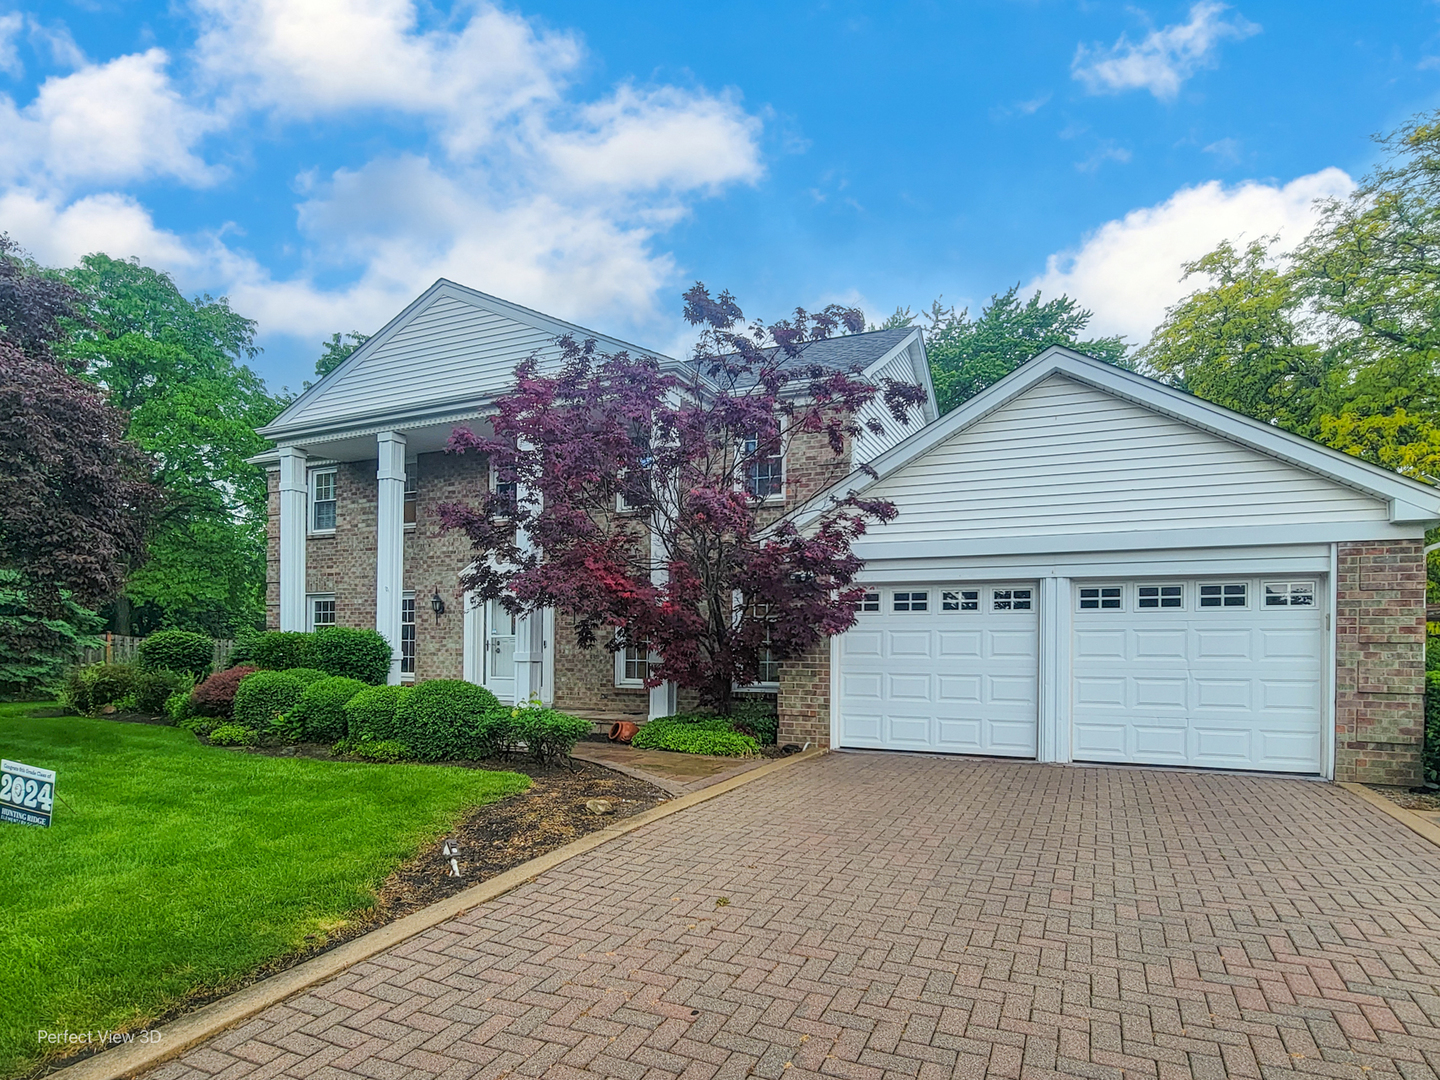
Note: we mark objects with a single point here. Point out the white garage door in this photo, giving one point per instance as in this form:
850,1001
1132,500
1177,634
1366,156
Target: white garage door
945,668
1223,673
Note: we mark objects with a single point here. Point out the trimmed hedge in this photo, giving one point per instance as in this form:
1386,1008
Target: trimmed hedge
695,733
280,650
370,714
176,650
445,719
216,695
319,715
89,689
307,675
351,653
548,734
154,688
1432,726
755,716
265,697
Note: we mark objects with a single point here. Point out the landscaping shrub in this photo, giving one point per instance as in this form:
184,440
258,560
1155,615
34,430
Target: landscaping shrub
355,654
548,734
177,650
383,750
177,706
1432,653
232,735
319,715
307,675
243,652
756,716
90,689
280,650
153,689
444,719
695,733
266,696
216,695
370,714
1432,726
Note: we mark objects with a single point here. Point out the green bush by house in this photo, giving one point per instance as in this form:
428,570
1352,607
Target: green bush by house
448,719
176,650
279,650
152,689
370,714
319,715
549,735
265,697
1432,726
352,653
216,695
89,689
695,733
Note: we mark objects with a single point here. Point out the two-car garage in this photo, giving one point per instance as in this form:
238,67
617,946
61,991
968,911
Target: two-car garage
1223,672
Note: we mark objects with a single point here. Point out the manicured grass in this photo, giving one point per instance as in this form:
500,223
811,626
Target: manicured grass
173,867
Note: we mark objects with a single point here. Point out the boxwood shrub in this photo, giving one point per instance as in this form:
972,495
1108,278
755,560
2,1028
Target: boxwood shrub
695,733
154,688
370,714
307,675
352,653
265,697
319,715
280,650
548,734
445,719
176,650
216,695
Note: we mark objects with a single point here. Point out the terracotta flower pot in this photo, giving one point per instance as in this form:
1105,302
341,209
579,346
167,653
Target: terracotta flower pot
623,731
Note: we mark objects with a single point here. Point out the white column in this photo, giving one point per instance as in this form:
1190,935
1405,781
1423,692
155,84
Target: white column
390,543
529,629
1053,743
662,697
294,500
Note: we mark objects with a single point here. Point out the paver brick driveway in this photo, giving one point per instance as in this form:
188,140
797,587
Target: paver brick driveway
911,916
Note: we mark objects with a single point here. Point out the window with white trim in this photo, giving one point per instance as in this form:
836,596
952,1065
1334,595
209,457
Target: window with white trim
321,610
1102,598
1011,599
911,601
1160,596
768,670
322,500
412,492
407,635
506,489
1289,594
764,468
870,602
1225,594
636,485
633,664
960,600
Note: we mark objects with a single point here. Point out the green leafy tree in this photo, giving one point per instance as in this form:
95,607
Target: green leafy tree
967,355
178,367
337,349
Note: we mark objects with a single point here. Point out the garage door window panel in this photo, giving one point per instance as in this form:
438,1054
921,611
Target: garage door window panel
1011,600
1230,594
1289,594
1155,597
912,601
1102,598
960,600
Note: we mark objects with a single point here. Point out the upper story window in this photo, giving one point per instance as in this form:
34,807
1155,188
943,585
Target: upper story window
505,489
412,490
764,467
635,493
322,500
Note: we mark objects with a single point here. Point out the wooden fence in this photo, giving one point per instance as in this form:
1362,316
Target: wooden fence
120,649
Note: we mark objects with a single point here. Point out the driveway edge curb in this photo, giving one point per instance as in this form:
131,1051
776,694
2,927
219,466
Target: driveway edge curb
1414,822
186,1031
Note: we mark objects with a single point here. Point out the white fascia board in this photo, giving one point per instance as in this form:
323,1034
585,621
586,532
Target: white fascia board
914,344
355,427
1410,501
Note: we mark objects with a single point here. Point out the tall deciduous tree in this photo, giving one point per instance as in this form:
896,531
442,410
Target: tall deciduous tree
633,497
178,367
967,355
338,349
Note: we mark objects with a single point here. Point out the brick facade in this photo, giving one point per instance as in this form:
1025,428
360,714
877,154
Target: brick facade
1380,662
804,699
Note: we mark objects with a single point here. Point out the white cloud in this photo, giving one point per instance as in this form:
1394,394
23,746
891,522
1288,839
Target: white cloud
10,26
1129,270
117,121
1165,58
59,233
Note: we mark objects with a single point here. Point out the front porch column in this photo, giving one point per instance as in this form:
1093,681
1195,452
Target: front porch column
662,697
294,497
390,543
529,629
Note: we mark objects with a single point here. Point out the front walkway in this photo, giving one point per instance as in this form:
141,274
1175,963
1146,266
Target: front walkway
865,916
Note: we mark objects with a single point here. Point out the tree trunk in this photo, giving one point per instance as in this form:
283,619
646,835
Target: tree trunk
122,615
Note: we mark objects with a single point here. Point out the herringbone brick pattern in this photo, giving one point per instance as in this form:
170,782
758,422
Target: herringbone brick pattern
909,916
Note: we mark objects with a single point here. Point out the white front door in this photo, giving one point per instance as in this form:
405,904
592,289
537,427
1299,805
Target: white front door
497,669
944,667
1221,673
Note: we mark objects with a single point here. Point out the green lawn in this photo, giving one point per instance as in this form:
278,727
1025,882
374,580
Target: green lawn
172,867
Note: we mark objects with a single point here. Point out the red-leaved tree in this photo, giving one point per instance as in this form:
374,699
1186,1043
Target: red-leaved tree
633,495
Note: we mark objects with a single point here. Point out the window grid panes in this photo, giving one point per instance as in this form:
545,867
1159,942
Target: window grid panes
407,636
322,501
322,612
764,472
960,600
412,491
1289,594
870,602
1011,599
637,662
1228,594
1160,596
768,670
1101,598
912,601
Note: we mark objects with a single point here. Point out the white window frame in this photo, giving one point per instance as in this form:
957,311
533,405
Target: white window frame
624,656
1160,597
311,599
872,602
777,497
1099,598
955,598
408,597
1200,597
1010,599
911,597
411,507
494,481
1309,584
334,499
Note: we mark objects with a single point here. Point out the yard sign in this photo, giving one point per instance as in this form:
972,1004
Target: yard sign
27,794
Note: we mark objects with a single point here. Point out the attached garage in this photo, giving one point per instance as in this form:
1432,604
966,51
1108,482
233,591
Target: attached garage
1090,566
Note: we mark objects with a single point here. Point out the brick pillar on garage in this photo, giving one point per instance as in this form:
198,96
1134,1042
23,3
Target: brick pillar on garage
803,702
1380,662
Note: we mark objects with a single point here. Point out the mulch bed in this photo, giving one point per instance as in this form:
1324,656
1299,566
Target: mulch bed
1408,798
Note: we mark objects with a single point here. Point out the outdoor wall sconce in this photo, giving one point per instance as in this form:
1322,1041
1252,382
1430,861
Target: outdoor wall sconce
437,605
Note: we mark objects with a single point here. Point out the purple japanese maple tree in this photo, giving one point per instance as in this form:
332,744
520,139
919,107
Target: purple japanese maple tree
632,495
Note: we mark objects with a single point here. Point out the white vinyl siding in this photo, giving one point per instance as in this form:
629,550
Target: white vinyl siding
451,350
901,368
1067,458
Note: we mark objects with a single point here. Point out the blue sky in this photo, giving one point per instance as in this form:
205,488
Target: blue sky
322,161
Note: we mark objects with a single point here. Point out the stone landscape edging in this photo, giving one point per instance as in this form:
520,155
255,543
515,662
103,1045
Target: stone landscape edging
1414,822
185,1032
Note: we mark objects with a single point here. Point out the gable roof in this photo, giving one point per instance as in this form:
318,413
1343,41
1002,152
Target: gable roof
1408,500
